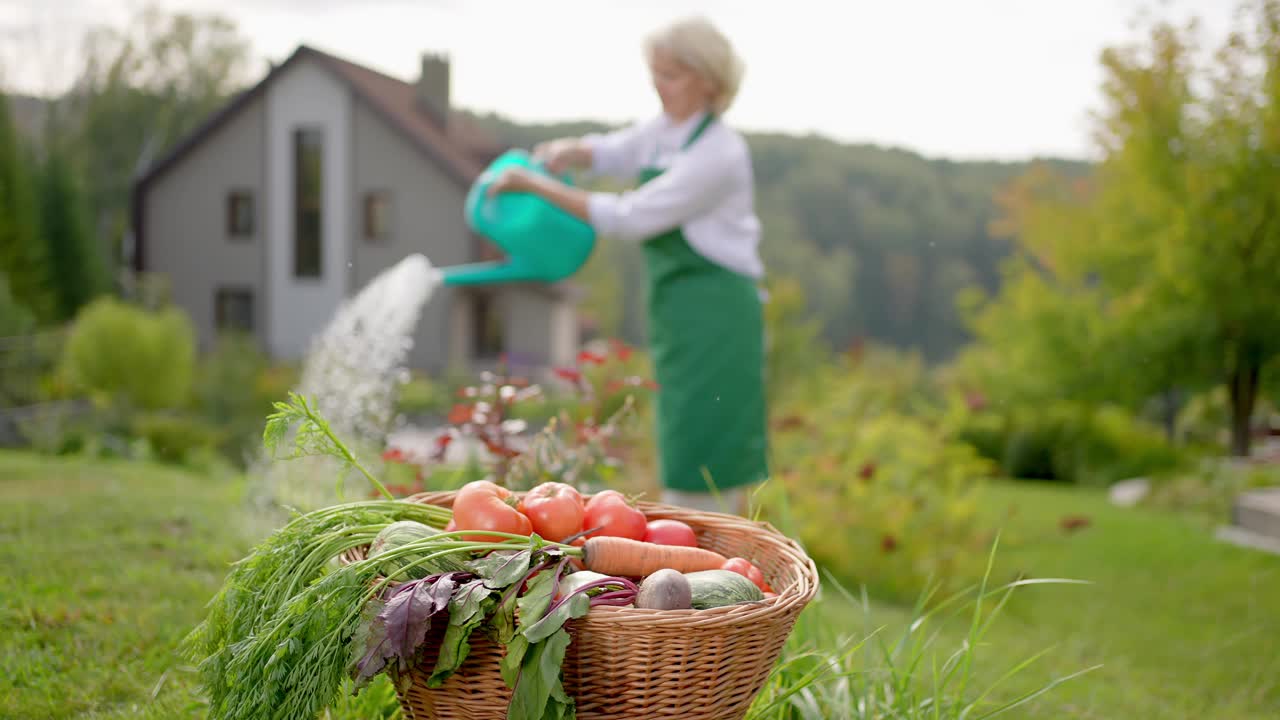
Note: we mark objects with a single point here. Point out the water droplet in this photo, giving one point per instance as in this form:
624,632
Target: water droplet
351,370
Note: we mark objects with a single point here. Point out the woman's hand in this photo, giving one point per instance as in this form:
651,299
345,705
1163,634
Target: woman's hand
570,199
563,154
516,179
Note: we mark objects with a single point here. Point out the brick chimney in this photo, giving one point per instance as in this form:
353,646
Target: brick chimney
433,87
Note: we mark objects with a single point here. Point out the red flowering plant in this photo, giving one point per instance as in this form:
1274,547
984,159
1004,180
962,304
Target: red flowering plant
573,447
604,380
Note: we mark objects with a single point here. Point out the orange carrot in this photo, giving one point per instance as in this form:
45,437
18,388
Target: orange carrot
610,555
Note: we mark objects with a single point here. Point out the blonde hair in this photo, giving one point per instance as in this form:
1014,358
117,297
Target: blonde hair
700,46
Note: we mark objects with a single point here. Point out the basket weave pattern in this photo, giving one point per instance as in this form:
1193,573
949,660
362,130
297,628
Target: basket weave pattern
638,663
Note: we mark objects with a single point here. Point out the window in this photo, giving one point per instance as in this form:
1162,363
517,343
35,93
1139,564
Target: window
233,309
308,176
377,215
240,214
487,329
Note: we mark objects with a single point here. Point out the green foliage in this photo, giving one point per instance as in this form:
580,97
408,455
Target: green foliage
1156,274
174,438
15,319
883,498
311,436
94,634
22,259
231,392
794,350
143,86
904,675
377,701
77,267
881,240
130,356
1070,443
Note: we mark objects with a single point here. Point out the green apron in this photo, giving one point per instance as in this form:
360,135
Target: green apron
706,336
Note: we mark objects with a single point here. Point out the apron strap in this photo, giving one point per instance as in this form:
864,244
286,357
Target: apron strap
697,132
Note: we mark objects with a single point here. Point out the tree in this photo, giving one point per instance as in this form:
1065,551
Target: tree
14,318
1159,273
22,259
77,269
142,88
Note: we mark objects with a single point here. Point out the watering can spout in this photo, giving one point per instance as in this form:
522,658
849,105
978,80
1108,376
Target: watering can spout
486,273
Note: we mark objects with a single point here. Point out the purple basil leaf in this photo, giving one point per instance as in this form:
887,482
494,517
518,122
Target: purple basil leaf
371,637
402,625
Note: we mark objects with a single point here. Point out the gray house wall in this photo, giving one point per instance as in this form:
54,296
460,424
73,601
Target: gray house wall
186,221
535,329
184,211
426,217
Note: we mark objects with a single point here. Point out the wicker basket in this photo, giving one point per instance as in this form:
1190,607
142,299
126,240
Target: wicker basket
638,663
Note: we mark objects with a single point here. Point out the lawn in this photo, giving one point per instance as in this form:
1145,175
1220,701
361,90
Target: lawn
107,565
1183,626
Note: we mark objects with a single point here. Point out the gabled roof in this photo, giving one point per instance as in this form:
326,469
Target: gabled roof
461,148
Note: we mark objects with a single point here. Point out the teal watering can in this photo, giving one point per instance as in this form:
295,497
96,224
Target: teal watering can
542,242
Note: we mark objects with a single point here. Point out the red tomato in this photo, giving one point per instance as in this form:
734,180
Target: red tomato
483,505
615,515
670,532
451,525
554,509
746,569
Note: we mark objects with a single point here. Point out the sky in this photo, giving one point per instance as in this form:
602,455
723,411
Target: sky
992,79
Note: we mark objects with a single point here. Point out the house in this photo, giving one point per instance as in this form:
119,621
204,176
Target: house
300,190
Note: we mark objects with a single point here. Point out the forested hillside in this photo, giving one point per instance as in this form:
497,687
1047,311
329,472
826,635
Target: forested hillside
881,239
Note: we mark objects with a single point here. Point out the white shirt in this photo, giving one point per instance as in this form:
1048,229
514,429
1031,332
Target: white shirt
707,190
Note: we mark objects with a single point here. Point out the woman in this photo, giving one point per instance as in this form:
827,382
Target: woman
694,214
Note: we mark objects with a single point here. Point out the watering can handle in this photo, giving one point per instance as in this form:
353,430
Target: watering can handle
541,166
537,164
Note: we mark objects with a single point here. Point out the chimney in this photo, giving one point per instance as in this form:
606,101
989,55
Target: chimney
433,87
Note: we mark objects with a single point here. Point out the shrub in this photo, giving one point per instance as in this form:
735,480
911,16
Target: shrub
582,437
125,354
230,393
883,498
175,439
1070,443
15,319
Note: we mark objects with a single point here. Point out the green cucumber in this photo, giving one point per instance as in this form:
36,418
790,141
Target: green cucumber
717,588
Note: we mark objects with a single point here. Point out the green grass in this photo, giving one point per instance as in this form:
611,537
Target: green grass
1183,626
105,566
